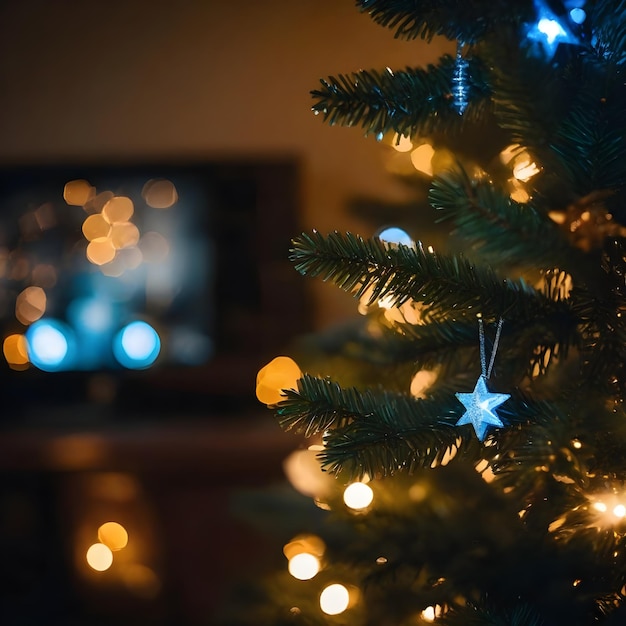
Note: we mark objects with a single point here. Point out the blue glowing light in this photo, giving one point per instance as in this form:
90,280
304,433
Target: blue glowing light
94,315
551,29
394,234
50,345
137,345
578,16
548,31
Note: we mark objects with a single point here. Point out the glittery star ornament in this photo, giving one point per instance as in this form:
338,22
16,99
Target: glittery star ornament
481,405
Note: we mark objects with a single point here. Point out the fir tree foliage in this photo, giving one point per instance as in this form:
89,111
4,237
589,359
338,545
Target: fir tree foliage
525,528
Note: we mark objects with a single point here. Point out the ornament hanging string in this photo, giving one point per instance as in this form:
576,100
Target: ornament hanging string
480,405
486,371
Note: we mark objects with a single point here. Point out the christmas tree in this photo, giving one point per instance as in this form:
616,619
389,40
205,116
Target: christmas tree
482,424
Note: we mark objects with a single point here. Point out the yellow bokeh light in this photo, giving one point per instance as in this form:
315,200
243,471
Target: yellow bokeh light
524,168
334,599
15,351
101,251
30,305
124,235
311,544
422,158
280,373
402,143
95,204
78,192
619,511
421,382
510,152
358,496
99,557
113,535
95,226
600,506
154,247
159,193
118,209
428,614
304,566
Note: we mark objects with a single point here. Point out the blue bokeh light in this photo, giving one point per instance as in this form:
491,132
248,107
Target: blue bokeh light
393,234
551,29
137,345
50,345
577,15
92,315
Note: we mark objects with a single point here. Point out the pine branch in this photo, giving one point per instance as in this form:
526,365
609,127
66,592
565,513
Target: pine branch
379,433
410,102
591,140
474,615
466,21
609,41
497,226
445,284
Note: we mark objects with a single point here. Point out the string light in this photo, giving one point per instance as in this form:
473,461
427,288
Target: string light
402,143
280,373
358,496
99,557
304,566
422,158
334,599
113,535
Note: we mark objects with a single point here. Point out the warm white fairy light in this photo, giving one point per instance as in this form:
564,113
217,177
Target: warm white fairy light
619,511
428,614
524,169
304,566
358,496
600,507
334,599
422,158
402,143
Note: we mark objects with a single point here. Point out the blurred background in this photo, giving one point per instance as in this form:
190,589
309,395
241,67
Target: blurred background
156,159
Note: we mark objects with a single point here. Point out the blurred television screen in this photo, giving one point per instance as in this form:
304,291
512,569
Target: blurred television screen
137,267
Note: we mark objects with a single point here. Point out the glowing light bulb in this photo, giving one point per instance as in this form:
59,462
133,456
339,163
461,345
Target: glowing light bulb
428,614
551,29
99,557
402,143
280,373
600,506
49,345
358,496
422,158
113,535
304,566
15,349
396,235
423,380
524,169
334,599
619,511
137,345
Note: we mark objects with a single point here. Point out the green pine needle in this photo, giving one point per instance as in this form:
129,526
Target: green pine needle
409,102
448,285
498,227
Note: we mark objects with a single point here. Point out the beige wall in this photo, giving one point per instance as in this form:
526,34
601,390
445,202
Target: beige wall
98,79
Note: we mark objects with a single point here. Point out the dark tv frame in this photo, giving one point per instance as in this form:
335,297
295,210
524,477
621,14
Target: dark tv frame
262,304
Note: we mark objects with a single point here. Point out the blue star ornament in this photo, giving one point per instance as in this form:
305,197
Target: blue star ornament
481,405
